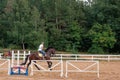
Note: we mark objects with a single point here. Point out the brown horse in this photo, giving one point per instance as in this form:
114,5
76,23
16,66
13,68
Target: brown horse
50,51
7,54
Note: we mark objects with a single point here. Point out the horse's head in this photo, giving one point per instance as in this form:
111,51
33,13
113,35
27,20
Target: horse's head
50,51
7,54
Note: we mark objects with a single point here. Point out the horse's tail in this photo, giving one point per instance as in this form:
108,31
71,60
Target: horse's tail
25,60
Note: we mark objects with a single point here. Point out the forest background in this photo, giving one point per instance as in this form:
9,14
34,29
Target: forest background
67,25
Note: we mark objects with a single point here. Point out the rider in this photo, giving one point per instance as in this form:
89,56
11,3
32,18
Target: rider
40,49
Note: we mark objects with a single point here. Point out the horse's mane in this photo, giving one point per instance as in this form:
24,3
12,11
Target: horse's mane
48,49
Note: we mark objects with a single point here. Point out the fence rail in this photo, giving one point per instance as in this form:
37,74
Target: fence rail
86,57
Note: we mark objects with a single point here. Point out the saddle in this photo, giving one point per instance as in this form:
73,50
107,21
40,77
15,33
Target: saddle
40,54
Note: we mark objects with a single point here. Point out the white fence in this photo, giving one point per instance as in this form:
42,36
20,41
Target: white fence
70,59
76,68
3,63
70,56
57,67
70,67
86,57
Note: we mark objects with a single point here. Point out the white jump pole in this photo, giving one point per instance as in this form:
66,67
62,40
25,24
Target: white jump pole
8,67
24,56
18,57
12,58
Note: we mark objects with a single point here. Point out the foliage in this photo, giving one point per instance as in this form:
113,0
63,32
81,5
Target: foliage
74,37
96,49
69,25
102,37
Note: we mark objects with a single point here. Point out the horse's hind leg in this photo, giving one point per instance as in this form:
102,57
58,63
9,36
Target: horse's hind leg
36,66
28,64
49,64
25,60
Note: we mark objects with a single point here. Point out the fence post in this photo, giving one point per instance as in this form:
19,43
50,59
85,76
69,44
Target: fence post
108,58
98,69
61,68
61,56
66,74
76,57
92,57
8,67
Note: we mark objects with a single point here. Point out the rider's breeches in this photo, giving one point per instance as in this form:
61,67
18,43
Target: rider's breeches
43,53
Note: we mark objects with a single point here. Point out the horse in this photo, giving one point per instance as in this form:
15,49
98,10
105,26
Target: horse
7,54
50,51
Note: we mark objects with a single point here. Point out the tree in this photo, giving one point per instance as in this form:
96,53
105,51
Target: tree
102,38
3,23
20,27
74,37
105,12
63,24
